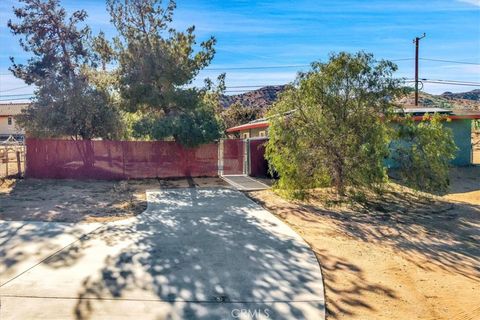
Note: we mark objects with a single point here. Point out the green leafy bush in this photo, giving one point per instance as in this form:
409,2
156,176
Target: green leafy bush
423,152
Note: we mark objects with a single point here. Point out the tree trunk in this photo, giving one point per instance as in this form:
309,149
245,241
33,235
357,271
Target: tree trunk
339,179
86,151
89,154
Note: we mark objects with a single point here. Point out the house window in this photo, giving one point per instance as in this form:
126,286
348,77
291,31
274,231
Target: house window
261,134
245,135
9,121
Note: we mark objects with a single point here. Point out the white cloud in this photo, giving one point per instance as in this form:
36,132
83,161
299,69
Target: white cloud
472,2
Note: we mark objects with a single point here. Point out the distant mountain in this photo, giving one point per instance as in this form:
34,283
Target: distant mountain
448,100
470,95
264,97
261,98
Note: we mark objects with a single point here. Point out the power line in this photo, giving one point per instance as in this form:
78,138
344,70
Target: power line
308,65
259,86
16,95
456,81
452,83
13,89
451,61
258,67
278,66
15,99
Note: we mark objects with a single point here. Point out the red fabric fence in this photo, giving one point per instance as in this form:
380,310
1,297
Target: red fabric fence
110,160
233,156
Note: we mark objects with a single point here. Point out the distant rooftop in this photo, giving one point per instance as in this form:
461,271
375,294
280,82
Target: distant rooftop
423,111
416,113
12,108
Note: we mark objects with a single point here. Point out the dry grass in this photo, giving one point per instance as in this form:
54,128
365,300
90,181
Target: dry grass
402,255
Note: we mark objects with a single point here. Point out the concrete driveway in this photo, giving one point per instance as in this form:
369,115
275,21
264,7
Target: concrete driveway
193,254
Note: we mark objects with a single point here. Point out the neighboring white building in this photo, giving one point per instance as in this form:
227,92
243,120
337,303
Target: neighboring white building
8,126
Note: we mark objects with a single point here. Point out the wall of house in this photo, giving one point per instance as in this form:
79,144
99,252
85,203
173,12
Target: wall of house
254,133
6,129
462,136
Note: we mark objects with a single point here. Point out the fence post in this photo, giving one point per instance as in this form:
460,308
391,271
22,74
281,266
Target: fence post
220,157
124,145
6,163
19,166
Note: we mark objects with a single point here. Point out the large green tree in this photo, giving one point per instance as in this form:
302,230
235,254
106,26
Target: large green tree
66,102
328,129
156,64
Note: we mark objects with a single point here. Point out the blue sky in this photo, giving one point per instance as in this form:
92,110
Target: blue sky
286,33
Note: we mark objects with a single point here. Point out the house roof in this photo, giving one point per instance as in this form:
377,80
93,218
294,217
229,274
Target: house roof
12,109
260,123
456,115
422,111
417,115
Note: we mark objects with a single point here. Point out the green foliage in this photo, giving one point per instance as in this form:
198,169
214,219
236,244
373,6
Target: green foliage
423,152
55,41
156,63
71,108
103,50
192,128
476,125
66,102
327,130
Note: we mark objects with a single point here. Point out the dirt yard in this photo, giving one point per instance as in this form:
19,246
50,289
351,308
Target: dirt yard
87,201
400,256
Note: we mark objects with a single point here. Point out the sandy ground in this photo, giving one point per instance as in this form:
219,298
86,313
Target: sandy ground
476,157
400,256
88,201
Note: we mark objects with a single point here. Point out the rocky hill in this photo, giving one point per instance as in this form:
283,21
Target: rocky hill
261,98
460,100
470,95
264,97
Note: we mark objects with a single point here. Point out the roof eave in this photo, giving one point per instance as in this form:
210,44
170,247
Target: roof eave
248,126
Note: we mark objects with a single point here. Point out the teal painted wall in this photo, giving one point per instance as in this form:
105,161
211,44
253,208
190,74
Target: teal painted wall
462,136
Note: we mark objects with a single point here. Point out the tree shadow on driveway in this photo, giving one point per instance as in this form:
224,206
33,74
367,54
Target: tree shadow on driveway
201,254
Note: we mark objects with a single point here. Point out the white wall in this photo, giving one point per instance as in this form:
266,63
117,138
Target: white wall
6,129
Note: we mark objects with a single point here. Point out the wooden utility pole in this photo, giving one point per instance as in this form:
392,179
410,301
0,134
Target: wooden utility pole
417,42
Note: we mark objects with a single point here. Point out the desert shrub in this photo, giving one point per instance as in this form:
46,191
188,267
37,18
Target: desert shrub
423,152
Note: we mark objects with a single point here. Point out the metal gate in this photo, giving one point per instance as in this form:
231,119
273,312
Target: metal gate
231,157
242,157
